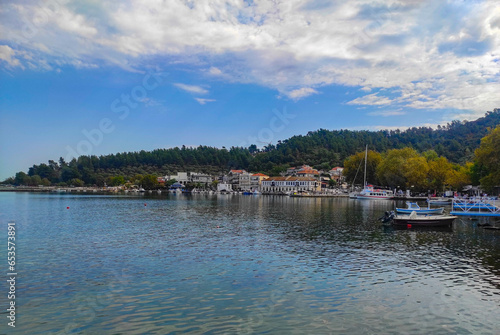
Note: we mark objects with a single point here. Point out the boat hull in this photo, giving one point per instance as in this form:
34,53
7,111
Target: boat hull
359,196
420,211
445,221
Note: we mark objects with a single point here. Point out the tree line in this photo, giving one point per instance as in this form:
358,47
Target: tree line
323,149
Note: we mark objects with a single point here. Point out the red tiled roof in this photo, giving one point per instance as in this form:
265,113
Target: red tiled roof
237,171
259,175
308,172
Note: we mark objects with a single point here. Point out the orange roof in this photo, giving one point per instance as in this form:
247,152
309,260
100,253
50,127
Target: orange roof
238,171
308,172
259,175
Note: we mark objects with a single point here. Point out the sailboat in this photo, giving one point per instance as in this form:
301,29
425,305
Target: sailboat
369,192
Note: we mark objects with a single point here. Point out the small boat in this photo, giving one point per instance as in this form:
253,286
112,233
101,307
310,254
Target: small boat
439,201
353,195
414,207
423,220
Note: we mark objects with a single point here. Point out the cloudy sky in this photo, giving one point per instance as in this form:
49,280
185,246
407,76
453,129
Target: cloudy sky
97,77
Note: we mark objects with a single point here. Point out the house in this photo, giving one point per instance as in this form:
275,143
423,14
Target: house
240,180
302,171
223,187
337,174
200,178
256,180
180,177
290,184
190,177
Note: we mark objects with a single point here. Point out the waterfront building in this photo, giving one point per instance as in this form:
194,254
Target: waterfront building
290,184
256,180
240,180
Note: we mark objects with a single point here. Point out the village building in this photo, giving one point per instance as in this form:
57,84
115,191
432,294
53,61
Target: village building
240,180
256,180
290,184
337,174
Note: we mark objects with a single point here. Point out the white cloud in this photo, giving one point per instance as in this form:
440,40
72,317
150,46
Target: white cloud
429,59
301,93
386,113
8,55
371,99
202,101
191,88
214,71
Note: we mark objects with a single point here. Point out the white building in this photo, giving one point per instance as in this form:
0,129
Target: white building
191,177
222,187
256,180
290,184
240,180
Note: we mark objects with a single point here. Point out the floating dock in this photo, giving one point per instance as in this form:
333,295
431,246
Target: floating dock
476,207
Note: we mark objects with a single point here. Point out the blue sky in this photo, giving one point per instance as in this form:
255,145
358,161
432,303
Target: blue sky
100,77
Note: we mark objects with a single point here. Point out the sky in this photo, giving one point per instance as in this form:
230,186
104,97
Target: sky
94,77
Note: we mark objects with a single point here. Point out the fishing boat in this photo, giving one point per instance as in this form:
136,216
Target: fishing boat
414,207
439,201
423,220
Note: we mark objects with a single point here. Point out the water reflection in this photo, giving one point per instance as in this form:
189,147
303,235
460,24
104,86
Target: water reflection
247,264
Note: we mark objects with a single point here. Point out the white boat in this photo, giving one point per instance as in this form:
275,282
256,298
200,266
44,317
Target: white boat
369,192
414,220
414,207
439,201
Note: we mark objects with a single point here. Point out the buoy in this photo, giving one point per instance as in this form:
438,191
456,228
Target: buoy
67,207
145,204
408,225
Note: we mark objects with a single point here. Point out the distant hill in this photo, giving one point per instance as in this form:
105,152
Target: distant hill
322,149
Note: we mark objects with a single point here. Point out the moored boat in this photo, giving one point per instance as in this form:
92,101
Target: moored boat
414,207
423,220
439,201
369,192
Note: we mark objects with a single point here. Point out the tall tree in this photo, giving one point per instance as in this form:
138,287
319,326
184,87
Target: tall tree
488,156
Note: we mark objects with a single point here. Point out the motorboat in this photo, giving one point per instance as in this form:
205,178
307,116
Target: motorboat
414,207
426,220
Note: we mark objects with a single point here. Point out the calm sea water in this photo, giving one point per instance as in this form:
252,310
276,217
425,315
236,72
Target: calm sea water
242,265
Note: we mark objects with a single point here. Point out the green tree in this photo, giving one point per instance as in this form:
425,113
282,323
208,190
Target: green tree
149,182
116,181
416,170
355,165
459,176
438,173
488,156
391,171
76,182
36,180
22,179
332,183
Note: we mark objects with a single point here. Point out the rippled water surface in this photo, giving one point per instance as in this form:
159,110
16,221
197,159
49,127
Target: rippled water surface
242,265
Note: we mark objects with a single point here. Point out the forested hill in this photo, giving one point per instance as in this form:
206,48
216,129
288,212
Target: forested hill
322,149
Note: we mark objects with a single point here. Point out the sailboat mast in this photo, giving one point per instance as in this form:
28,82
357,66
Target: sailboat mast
366,156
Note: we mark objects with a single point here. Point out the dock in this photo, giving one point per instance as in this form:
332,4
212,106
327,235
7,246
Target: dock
476,207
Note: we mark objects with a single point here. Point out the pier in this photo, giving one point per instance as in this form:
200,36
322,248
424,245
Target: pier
475,207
